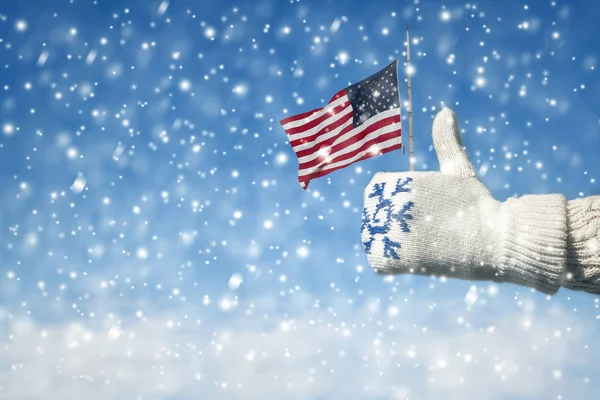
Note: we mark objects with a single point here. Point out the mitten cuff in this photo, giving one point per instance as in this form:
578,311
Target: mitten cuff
583,244
535,241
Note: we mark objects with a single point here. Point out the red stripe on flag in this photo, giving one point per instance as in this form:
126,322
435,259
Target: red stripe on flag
304,180
299,116
325,139
333,141
380,137
348,145
309,113
316,121
334,149
313,138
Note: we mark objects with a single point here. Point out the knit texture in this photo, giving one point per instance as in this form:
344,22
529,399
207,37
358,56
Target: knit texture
447,223
583,245
446,139
535,241
451,226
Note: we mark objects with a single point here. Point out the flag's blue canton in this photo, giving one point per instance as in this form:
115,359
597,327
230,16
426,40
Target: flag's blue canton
375,225
374,95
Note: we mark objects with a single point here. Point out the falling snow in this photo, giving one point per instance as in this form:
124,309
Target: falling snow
235,281
156,242
79,184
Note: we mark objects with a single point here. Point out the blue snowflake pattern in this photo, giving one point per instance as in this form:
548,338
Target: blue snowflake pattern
389,248
383,216
401,186
402,215
365,224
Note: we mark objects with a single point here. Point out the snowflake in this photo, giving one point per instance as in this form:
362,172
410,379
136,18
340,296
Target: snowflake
383,216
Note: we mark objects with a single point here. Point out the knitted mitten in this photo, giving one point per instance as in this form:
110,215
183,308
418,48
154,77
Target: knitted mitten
583,245
447,223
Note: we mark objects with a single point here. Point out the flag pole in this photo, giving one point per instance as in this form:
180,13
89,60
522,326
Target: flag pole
411,158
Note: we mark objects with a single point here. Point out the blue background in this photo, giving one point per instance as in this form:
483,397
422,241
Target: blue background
169,114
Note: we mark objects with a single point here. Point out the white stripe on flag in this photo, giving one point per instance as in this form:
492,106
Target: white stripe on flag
312,117
330,163
330,120
325,136
344,137
378,148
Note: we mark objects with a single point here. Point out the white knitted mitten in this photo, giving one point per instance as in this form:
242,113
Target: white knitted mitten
583,245
447,223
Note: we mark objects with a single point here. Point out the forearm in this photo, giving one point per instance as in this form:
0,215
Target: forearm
583,245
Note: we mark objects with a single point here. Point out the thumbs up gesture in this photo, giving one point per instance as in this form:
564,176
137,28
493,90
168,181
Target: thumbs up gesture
446,223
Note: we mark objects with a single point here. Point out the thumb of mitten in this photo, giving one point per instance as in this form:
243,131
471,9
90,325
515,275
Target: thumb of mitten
446,139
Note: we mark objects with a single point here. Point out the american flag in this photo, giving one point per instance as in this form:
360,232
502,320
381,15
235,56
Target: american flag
359,122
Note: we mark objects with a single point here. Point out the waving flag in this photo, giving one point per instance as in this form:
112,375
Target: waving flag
359,122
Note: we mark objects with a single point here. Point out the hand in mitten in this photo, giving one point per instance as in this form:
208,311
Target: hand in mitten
447,223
